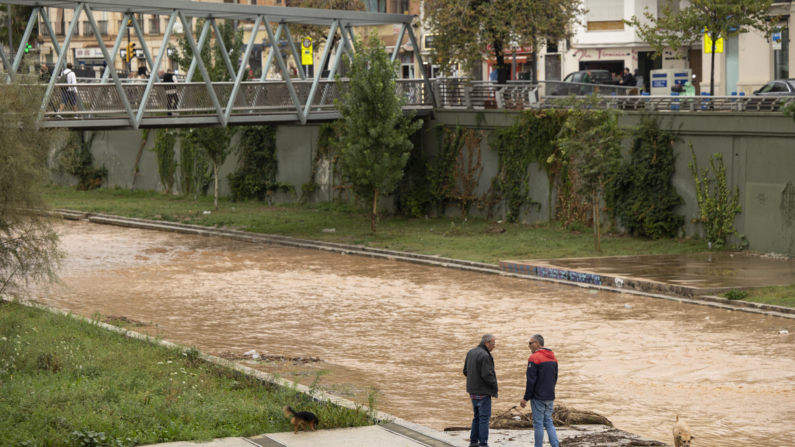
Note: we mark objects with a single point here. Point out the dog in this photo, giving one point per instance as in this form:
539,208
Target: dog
682,436
305,418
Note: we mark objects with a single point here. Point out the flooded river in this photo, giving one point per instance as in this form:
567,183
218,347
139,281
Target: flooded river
405,329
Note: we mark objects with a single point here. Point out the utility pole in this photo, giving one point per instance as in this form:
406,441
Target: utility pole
129,56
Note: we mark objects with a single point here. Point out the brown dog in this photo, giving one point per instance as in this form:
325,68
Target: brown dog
682,436
301,418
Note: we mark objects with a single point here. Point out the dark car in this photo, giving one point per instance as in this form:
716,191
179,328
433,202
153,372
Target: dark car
780,87
571,84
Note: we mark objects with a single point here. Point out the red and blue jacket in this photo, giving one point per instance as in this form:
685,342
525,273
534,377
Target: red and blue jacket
542,375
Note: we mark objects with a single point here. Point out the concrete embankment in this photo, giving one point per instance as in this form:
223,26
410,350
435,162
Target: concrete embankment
524,270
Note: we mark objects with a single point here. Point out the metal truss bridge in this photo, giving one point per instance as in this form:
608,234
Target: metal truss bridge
114,103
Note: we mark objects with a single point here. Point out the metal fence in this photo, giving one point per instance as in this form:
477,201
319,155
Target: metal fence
102,100
687,103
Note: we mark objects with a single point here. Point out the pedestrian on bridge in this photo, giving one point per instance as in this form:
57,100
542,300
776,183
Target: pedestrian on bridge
68,94
481,386
171,90
542,376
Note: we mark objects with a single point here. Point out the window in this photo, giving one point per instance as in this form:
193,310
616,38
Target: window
780,87
398,6
604,10
103,27
154,25
781,57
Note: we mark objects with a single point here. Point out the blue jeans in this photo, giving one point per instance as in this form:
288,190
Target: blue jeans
542,418
480,423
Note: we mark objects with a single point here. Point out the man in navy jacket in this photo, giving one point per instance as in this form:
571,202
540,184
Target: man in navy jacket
542,375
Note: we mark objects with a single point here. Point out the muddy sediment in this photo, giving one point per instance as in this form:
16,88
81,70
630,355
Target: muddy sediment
405,329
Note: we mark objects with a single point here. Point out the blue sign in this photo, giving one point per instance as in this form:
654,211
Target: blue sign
776,36
659,84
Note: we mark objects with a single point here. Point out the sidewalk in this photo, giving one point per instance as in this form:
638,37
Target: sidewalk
407,434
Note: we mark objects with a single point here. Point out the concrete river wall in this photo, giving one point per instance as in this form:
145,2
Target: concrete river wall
757,150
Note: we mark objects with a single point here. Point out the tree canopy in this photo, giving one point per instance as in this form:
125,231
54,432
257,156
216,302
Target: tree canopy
467,32
374,145
28,242
679,27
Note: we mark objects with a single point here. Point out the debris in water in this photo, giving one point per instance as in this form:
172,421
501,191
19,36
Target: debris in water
627,306
706,318
122,319
329,230
783,332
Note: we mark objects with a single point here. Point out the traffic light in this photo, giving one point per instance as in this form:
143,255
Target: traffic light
130,51
28,47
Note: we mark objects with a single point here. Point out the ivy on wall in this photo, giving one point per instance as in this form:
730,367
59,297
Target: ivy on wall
255,177
644,196
165,140
717,207
532,138
195,175
75,158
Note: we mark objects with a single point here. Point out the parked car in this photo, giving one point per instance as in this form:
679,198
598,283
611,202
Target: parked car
780,87
599,77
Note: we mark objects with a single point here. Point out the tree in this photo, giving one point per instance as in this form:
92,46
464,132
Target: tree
374,146
19,21
467,32
680,27
591,141
28,242
216,144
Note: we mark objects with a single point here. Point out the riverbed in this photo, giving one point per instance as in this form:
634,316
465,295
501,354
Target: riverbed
405,330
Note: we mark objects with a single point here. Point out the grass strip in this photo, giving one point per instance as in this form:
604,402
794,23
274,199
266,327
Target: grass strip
68,382
470,239
775,295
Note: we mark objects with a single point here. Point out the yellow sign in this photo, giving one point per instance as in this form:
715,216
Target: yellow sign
307,57
708,44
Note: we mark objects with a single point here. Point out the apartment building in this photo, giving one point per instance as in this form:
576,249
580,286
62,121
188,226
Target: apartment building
603,41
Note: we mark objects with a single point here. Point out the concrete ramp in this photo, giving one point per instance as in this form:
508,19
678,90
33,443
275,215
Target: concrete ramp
388,435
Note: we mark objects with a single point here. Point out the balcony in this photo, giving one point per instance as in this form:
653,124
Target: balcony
398,6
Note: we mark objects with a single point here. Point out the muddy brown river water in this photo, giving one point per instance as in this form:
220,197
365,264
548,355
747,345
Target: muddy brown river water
405,329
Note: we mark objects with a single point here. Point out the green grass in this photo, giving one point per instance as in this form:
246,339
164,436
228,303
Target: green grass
64,381
778,295
449,237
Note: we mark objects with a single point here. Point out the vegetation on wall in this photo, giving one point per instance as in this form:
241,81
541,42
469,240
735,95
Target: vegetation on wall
165,140
530,139
255,177
75,158
413,195
644,196
195,175
590,142
327,137
717,206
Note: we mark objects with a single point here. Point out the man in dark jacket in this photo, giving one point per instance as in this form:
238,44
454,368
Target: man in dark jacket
481,386
628,80
542,375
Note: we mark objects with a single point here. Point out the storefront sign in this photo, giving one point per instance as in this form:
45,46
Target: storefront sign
708,44
600,54
88,53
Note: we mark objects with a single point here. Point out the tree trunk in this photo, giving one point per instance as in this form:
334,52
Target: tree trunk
215,174
535,58
374,214
502,70
595,223
598,229
712,69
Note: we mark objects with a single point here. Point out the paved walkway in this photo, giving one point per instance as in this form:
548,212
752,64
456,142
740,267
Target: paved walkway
406,434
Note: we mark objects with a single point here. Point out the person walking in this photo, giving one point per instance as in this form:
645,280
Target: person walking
481,386
68,94
542,376
171,90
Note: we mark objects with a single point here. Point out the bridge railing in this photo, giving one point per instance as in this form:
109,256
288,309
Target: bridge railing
95,99
686,103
